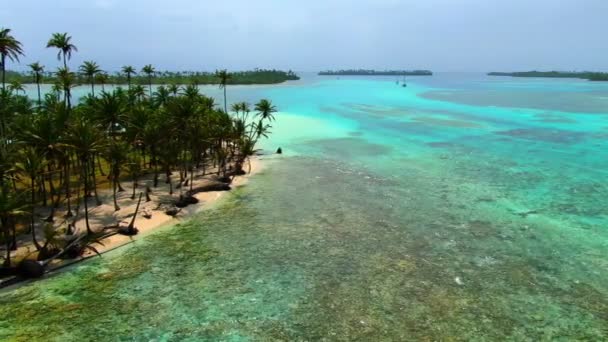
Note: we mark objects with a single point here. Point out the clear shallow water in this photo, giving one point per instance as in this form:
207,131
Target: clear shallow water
459,208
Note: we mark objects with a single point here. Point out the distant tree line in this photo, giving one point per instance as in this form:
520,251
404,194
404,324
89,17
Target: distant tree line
364,72
587,75
257,76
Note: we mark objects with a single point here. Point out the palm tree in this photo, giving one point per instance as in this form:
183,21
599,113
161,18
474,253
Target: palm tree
161,96
10,48
90,69
102,79
116,154
110,111
128,71
37,70
173,88
32,163
11,207
15,87
265,110
62,42
224,77
149,71
67,80
86,139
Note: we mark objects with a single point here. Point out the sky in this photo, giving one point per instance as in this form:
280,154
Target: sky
312,35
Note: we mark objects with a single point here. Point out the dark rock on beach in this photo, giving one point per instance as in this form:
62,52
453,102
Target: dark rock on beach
30,269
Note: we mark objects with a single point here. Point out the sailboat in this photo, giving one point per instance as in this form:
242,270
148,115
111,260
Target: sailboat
404,85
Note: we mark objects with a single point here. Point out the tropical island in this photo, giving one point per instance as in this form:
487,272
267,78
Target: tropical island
364,72
77,178
587,75
125,76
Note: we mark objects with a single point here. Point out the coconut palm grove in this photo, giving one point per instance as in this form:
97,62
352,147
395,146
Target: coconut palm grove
56,150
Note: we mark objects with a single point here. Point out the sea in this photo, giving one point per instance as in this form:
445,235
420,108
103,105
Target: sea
461,207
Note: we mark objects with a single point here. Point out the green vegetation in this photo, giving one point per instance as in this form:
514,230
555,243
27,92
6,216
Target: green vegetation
587,75
363,72
258,76
50,149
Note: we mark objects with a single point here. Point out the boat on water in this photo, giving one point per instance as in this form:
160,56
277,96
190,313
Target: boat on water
404,85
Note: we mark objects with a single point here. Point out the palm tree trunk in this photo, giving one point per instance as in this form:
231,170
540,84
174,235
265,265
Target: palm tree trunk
134,187
33,218
7,239
3,71
225,105
67,188
116,207
39,96
97,201
99,166
85,173
92,87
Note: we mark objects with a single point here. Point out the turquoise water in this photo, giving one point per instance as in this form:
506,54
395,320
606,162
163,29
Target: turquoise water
459,208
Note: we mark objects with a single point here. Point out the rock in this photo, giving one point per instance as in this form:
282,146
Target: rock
191,200
172,211
7,271
226,179
215,186
186,201
125,230
30,269
279,151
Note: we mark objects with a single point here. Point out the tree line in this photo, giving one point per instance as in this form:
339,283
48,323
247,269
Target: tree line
54,151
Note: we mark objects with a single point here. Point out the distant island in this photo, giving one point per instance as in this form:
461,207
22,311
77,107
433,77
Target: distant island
363,72
587,75
257,76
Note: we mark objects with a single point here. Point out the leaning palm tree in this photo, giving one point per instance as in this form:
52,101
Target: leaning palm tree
10,48
37,70
62,42
223,76
90,69
149,71
128,71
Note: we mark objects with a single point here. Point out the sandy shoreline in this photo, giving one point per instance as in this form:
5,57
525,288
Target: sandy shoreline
104,215
159,218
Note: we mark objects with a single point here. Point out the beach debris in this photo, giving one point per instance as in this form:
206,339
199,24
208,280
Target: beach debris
458,281
147,214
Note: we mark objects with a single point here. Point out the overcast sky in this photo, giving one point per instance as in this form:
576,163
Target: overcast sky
308,35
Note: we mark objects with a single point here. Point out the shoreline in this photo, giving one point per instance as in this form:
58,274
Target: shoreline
100,217
159,219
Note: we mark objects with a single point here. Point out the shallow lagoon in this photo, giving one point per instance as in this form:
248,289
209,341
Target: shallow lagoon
459,208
